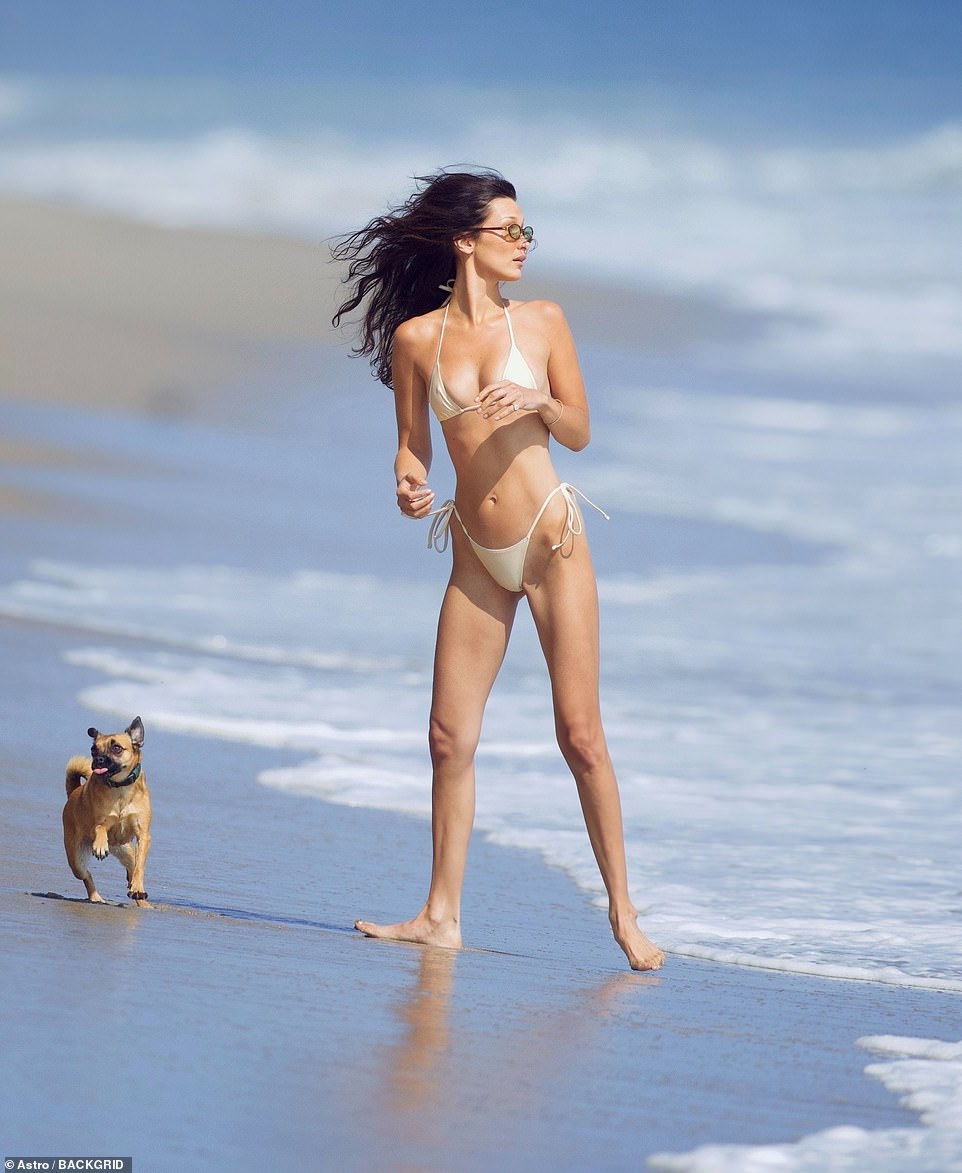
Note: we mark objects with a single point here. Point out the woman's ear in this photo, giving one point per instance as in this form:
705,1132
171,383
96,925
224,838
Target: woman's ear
465,245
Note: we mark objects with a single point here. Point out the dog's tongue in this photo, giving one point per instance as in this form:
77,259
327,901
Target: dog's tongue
100,770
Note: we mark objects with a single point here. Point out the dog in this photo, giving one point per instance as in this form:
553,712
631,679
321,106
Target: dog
108,809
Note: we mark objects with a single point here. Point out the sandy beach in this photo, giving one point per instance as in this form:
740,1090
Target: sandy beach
240,1022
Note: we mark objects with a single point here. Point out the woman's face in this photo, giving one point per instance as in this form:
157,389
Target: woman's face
494,250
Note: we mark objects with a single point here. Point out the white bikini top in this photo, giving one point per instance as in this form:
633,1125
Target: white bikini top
516,370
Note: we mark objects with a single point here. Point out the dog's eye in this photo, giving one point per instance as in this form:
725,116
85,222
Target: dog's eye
116,747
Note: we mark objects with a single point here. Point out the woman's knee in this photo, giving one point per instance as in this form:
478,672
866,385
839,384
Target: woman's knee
450,745
582,742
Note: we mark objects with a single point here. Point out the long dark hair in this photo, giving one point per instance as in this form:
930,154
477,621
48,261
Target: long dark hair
398,261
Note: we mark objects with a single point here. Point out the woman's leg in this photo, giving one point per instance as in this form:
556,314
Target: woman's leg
564,602
473,630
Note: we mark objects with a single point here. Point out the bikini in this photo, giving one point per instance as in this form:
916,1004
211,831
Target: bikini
505,565
515,369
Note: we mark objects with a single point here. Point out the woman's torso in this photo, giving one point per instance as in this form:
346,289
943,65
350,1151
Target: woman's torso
503,467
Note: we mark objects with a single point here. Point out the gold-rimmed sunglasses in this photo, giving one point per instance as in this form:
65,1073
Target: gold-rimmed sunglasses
512,232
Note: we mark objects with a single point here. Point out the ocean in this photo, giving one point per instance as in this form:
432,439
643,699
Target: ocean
780,579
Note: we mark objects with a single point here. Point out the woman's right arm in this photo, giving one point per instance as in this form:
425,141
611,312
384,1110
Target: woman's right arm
413,461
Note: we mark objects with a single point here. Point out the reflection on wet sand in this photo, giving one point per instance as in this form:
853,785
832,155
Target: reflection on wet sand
417,1063
489,1049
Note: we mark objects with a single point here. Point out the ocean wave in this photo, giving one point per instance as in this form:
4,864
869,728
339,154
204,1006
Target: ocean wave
852,249
305,619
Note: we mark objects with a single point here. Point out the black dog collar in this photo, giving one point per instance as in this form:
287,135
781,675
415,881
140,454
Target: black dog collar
128,781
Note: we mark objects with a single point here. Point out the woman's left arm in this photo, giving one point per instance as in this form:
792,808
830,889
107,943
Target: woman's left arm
562,402
565,411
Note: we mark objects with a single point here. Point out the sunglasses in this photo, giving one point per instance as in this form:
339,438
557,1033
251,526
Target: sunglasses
512,232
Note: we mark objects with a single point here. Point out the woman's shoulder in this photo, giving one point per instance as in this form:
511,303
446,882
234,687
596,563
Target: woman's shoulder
416,331
546,314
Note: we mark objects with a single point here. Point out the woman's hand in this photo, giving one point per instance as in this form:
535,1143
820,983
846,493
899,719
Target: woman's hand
499,400
414,498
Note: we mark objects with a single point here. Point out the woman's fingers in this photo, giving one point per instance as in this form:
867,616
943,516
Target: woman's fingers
414,498
502,399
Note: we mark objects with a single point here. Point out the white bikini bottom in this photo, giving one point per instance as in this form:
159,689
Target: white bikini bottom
506,566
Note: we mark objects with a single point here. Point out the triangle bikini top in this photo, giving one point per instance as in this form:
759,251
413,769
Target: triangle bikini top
515,369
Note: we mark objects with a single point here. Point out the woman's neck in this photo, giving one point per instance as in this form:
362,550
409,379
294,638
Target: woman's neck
476,299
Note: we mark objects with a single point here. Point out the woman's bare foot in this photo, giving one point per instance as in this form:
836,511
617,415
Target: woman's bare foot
422,930
641,953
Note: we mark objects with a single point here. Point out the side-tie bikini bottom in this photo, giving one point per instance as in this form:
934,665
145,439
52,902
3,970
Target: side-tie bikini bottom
506,566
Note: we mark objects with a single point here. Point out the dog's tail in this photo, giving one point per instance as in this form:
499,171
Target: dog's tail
78,771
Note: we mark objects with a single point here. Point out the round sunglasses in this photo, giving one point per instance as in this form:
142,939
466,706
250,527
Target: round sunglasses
512,232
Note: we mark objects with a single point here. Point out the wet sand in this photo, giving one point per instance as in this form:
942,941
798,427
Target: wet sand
241,1023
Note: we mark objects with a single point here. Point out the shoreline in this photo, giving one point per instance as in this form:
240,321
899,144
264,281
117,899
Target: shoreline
147,319
152,319
248,965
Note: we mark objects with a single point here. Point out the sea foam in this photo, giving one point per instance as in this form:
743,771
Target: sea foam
925,1073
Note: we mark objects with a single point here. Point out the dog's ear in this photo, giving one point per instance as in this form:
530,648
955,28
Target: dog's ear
136,731
94,733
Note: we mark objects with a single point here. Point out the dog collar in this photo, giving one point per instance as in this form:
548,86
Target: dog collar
128,781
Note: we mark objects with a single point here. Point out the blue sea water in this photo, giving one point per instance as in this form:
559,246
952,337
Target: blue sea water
781,579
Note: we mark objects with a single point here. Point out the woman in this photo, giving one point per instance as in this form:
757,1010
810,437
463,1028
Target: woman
502,376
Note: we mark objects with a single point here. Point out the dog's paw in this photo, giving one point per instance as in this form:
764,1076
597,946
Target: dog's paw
96,898
100,846
140,897
100,852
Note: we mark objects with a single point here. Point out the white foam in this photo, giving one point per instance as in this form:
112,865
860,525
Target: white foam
213,609
210,698
925,1073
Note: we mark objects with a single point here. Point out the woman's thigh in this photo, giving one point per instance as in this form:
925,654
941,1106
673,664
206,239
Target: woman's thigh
564,605
474,627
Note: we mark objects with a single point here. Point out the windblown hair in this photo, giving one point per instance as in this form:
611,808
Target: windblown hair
397,262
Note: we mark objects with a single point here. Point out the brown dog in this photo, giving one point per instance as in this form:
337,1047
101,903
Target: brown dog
108,809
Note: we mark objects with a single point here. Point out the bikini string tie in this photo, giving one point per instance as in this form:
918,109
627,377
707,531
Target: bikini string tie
440,532
574,526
